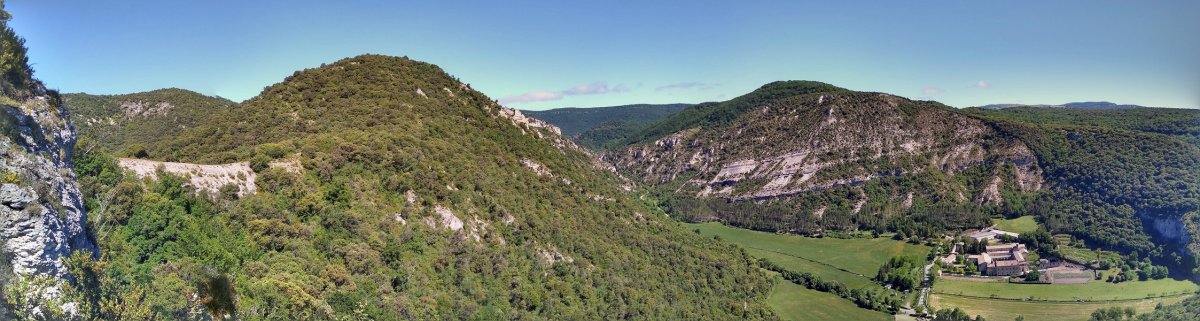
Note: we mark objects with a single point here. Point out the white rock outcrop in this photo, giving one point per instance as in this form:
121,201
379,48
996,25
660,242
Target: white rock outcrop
42,219
208,178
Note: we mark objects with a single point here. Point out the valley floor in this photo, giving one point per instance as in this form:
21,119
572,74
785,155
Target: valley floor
854,261
998,309
794,302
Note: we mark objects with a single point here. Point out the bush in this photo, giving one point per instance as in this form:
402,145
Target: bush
260,163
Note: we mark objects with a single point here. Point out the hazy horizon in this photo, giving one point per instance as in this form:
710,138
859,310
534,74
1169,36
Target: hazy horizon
536,56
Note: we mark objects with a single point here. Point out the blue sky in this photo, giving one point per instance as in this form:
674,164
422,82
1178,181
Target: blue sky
546,54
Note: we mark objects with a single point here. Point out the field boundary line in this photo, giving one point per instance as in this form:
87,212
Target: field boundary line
811,260
1063,301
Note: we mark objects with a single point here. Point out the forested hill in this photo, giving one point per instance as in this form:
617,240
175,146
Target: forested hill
1120,177
813,158
416,197
1184,123
713,115
574,120
127,123
599,127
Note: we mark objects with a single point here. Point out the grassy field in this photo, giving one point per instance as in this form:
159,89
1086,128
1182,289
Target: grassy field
1083,255
856,256
1008,310
825,272
794,302
1022,224
853,262
1093,291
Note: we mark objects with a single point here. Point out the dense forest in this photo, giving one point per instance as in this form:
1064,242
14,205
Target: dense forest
1116,188
1184,123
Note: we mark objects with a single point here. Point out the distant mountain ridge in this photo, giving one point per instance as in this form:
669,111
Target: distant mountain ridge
132,121
596,127
1074,105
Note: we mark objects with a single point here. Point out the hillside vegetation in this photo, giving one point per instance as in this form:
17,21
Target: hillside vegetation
1119,189
126,124
1183,123
812,158
716,115
417,198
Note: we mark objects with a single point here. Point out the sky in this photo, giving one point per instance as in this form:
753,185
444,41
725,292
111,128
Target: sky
548,54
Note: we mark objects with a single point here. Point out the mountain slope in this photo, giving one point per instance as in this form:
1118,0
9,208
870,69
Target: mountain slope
815,157
127,123
720,114
597,127
416,198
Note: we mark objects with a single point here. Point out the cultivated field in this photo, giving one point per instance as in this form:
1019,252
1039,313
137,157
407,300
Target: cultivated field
853,262
1059,311
794,302
856,256
796,263
1092,291
1022,224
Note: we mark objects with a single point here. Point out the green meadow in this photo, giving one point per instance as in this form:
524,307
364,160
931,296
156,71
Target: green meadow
795,302
1022,224
1004,310
1092,291
860,256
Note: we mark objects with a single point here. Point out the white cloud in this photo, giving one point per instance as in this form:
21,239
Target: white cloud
598,87
595,88
983,84
931,90
533,96
687,85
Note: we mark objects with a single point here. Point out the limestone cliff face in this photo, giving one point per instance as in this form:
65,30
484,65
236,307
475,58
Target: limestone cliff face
42,219
813,142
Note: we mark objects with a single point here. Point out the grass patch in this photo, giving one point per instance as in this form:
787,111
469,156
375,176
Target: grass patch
1064,311
1024,224
861,256
794,302
793,263
1092,291
1084,255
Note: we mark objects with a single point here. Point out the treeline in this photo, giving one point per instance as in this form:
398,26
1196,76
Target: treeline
864,298
798,214
957,314
1188,309
904,273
